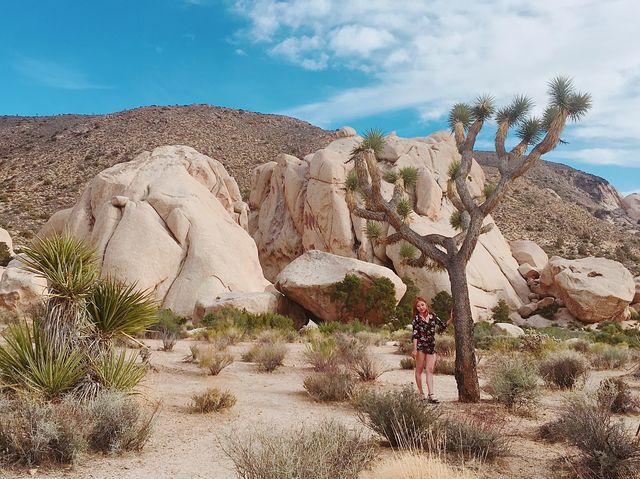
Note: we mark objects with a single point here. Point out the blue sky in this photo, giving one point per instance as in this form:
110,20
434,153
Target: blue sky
366,63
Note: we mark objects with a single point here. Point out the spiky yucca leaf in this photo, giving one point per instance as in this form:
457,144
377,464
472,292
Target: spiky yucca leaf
118,309
390,176
550,114
516,111
561,91
456,220
374,230
460,113
68,264
408,251
352,183
374,139
453,170
483,108
116,371
579,105
409,175
530,130
404,208
29,363
488,189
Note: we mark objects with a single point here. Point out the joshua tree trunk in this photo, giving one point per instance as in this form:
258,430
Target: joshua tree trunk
466,374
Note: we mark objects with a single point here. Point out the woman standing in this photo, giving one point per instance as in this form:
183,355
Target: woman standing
425,325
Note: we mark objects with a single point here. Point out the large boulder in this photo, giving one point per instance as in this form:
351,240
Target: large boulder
631,204
20,290
592,289
299,205
309,280
254,303
172,221
636,296
528,252
6,247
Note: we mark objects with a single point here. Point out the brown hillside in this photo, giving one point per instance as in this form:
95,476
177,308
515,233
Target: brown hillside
46,161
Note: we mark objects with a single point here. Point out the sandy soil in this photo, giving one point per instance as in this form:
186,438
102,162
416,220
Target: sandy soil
188,446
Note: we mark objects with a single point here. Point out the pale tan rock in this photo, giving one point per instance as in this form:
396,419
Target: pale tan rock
593,289
525,251
631,204
545,302
393,148
536,321
527,309
508,329
5,239
346,132
56,223
175,230
636,296
428,194
310,278
527,271
20,290
254,303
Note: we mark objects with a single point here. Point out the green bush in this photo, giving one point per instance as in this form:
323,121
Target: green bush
408,363
442,304
330,386
446,345
372,301
513,381
323,355
168,327
212,400
5,256
249,323
326,451
404,309
549,311
564,369
118,372
608,357
445,365
612,333
615,395
213,360
352,327
270,356
366,367
500,312
472,438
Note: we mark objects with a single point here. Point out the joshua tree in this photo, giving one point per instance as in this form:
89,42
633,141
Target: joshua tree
435,251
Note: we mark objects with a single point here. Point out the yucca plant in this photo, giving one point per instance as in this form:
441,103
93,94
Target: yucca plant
116,309
117,371
409,175
29,363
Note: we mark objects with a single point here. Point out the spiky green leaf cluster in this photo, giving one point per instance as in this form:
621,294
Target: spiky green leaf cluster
455,220
516,111
483,108
488,189
68,264
116,371
352,183
118,309
408,251
374,139
409,175
530,130
374,230
565,98
453,170
390,176
460,113
404,208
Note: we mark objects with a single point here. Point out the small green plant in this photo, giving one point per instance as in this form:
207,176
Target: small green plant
323,355
212,400
213,360
403,208
500,312
549,311
366,367
445,346
270,356
488,189
453,169
473,438
608,357
374,230
249,323
169,327
5,255
409,176
407,251
352,183
330,385
564,369
117,372
390,176
408,363
513,381
442,304
372,301
455,220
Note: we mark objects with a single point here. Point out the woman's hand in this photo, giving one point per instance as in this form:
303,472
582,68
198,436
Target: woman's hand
414,353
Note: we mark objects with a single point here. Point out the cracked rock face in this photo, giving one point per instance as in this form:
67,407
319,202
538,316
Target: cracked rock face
172,220
299,205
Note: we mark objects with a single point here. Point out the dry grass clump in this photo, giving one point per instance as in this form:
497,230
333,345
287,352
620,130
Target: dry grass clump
579,344
472,438
270,356
367,367
323,355
564,369
370,338
212,400
408,363
445,345
330,386
606,449
615,395
327,451
404,341
445,365
417,466
212,359
513,381
608,357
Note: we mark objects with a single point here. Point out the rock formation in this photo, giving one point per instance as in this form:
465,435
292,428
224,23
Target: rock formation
631,204
171,221
19,289
299,205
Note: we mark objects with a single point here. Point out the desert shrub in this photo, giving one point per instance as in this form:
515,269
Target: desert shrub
330,385
348,348
401,417
408,363
564,369
548,311
404,309
118,372
404,341
441,305
213,360
212,400
323,355
168,327
607,449
580,345
608,357
473,438
5,255
250,354
513,381
119,423
372,301
482,335
247,322
366,367
445,365
327,451
537,343
445,345
270,356
500,312
612,333
370,338
270,336
500,344
615,395
417,466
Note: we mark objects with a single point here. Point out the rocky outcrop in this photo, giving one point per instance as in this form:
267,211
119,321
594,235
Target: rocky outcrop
636,296
631,204
170,221
20,290
299,205
254,303
6,247
592,289
309,280
528,252
508,329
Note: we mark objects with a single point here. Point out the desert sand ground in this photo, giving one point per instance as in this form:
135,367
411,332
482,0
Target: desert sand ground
189,446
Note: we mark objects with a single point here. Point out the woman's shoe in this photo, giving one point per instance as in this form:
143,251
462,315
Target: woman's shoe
432,400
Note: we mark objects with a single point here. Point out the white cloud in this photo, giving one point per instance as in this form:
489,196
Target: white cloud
55,75
428,55
602,156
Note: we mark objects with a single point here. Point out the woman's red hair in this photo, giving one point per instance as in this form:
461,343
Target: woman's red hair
415,304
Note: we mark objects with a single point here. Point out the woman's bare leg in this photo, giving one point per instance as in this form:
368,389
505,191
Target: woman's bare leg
430,364
420,360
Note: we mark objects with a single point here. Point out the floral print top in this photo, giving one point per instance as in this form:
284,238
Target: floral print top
425,332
